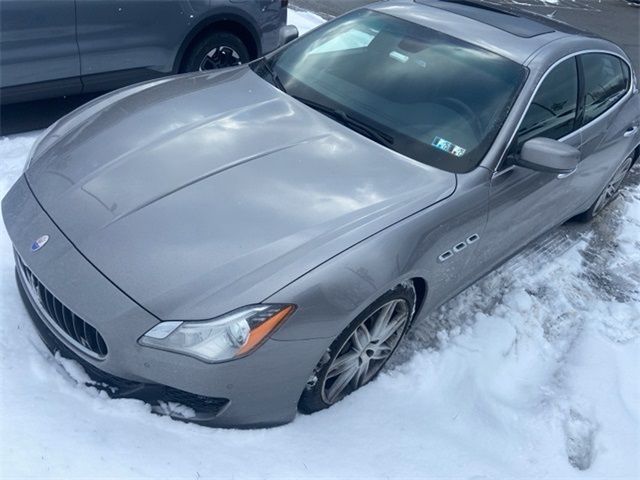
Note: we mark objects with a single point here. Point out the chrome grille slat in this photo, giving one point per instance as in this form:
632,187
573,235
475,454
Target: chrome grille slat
68,323
66,320
58,310
101,344
41,292
49,300
97,341
74,322
88,335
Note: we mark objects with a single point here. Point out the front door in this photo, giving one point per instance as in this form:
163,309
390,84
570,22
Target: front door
525,203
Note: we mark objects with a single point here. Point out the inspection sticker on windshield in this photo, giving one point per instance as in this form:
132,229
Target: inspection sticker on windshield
448,147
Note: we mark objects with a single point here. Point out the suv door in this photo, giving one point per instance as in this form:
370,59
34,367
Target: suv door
38,44
132,40
525,203
610,122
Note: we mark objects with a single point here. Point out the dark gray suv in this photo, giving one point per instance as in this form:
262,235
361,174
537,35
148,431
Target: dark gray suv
64,47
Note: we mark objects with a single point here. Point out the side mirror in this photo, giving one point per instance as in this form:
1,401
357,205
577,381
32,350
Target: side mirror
288,33
546,155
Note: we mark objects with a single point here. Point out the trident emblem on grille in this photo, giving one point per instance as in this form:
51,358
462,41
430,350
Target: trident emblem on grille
39,243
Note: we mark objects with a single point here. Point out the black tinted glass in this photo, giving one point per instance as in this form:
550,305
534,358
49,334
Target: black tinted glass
553,110
606,81
434,98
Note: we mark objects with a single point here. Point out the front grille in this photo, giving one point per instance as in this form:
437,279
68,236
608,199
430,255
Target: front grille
75,328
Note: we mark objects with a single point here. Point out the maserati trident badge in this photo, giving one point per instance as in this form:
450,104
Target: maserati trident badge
39,243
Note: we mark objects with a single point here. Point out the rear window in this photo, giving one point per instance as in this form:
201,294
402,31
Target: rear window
606,79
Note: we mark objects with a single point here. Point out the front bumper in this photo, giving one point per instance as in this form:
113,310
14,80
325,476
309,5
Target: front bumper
261,389
164,399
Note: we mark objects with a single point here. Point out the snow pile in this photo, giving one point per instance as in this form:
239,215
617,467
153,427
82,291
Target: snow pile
532,372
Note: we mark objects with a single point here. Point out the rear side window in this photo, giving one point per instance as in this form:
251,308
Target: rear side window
552,112
606,80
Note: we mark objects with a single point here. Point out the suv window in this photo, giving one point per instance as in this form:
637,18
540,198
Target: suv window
552,112
606,80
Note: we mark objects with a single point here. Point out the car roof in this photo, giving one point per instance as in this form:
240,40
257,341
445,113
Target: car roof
511,32
515,21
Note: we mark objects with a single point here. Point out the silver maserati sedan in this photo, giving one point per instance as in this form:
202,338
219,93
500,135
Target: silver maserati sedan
236,246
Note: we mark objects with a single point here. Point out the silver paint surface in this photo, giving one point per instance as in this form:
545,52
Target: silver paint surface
188,197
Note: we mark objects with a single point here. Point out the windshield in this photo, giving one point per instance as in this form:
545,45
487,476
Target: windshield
420,92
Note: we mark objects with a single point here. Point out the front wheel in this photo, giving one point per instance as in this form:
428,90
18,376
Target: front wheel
610,190
358,354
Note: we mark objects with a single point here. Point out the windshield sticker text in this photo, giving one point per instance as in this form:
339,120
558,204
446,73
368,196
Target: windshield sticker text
448,147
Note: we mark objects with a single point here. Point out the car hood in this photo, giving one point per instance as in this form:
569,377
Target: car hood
202,193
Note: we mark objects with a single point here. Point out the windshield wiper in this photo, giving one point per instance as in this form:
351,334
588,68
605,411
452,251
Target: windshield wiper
274,76
365,129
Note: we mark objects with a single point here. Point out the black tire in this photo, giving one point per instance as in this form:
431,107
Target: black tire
610,190
231,51
314,397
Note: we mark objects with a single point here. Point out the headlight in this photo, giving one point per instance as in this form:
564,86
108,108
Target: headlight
223,338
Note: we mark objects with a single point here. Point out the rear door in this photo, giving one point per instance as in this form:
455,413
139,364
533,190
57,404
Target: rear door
38,43
132,39
525,203
610,121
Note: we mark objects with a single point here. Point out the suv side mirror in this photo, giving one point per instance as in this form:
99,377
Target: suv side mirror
547,155
288,33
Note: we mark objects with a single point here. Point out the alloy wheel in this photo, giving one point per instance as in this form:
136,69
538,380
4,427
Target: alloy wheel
365,352
613,186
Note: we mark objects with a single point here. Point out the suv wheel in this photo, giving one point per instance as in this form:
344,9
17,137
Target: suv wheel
217,50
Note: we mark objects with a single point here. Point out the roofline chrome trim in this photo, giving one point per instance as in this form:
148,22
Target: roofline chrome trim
633,88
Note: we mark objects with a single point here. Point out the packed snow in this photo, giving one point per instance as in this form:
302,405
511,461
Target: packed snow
532,372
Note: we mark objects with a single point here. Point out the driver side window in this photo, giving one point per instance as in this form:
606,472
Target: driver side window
552,112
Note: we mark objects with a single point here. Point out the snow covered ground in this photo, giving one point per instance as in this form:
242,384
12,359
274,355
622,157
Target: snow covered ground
532,372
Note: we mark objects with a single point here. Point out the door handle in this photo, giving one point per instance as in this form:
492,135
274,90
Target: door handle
565,175
631,132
